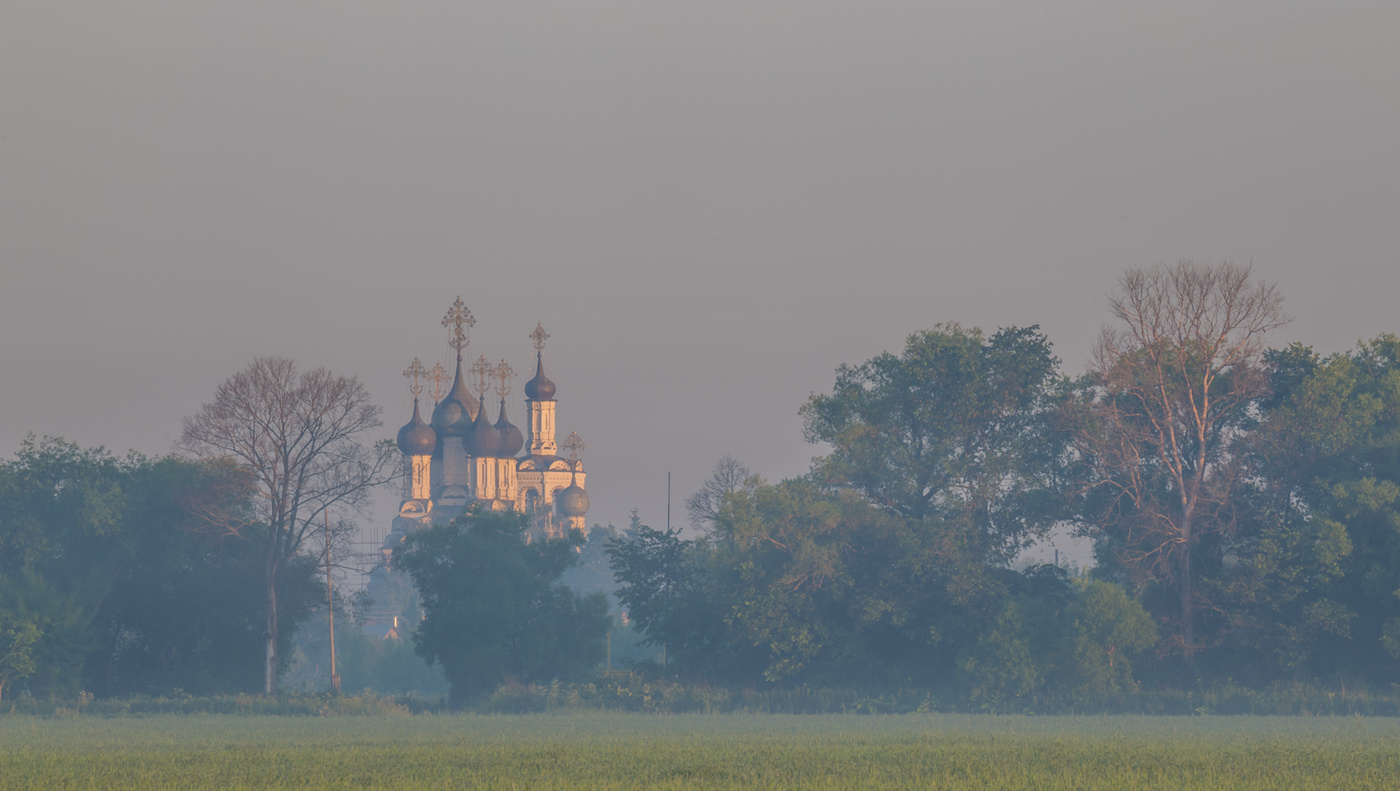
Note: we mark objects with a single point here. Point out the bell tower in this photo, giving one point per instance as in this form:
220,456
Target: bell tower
539,400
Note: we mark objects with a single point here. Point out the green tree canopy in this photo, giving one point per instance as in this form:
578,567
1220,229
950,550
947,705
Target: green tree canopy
18,634
1310,581
953,430
494,607
102,557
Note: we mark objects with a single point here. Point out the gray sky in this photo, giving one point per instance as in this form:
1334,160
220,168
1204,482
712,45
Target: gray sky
709,204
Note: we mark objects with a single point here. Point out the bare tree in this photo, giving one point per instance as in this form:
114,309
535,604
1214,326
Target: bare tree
729,476
1174,383
296,439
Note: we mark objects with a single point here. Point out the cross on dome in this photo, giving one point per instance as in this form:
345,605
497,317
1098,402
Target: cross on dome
438,376
539,336
461,321
574,445
482,371
415,370
504,374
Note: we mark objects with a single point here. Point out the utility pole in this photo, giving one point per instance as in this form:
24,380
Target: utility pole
668,530
330,605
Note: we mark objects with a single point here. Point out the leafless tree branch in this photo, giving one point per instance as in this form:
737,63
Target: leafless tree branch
295,438
1174,380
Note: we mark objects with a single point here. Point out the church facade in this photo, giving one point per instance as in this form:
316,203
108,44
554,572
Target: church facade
461,456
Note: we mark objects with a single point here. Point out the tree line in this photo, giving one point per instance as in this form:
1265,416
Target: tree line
109,584
1243,504
188,573
1242,501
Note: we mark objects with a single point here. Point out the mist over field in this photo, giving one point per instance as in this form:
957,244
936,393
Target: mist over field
670,373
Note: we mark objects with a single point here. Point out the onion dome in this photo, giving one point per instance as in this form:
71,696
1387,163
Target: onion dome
572,501
452,417
448,417
417,438
511,438
482,438
539,388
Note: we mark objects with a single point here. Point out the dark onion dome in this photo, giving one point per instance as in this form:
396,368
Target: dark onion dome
447,414
539,388
482,438
572,501
464,396
452,417
417,438
511,438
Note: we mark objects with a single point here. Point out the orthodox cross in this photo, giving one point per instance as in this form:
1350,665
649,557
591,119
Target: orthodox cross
414,371
574,446
438,376
460,320
503,374
539,336
482,371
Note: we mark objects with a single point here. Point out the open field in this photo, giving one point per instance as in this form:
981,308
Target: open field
701,751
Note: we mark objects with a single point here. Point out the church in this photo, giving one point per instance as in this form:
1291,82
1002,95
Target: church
460,456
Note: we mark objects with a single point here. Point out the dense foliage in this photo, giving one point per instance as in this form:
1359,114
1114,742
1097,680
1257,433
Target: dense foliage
493,606
107,584
887,564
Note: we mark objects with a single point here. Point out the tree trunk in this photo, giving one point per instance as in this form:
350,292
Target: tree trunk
2,689
1188,637
270,672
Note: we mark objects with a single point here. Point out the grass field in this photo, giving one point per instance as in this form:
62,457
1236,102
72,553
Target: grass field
751,752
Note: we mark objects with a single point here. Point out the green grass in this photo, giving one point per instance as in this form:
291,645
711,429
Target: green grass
752,752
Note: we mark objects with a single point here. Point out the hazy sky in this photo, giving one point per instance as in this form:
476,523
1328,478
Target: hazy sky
709,204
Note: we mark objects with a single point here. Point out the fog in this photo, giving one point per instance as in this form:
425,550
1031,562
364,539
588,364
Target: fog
709,205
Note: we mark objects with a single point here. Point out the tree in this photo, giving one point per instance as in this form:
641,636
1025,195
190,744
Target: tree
672,595
493,604
296,437
17,639
1056,641
101,555
954,430
66,532
728,477
187,613
823,585
1172,388
1315,561
1105,630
